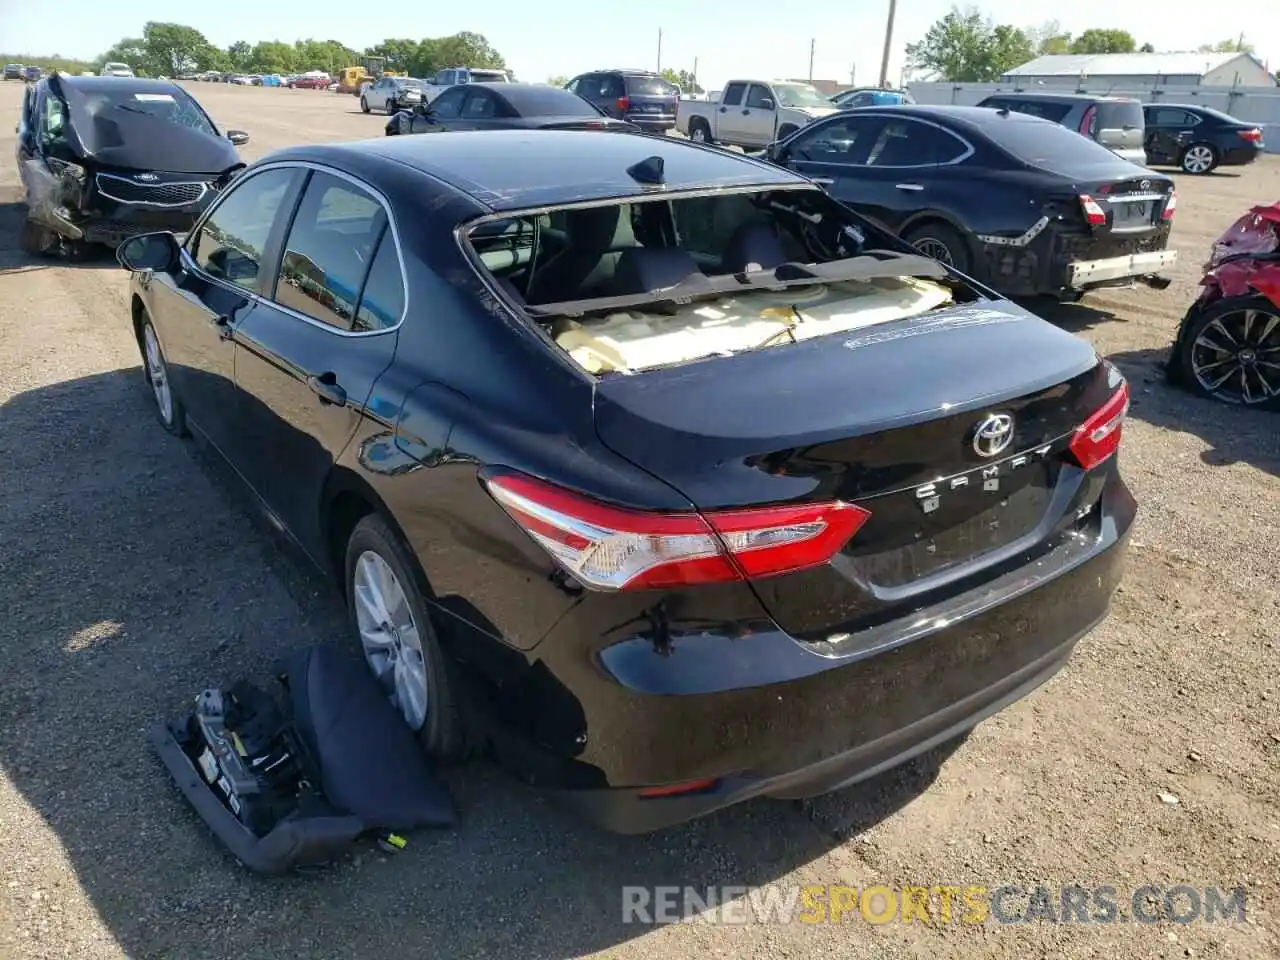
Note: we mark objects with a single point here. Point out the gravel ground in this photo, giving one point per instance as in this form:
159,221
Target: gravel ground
132,575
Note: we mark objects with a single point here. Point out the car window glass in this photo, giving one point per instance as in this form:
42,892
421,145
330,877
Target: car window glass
480,106
845,140
613,88
230,242
1173,117
330,245
572,85
448,105
382,302
733,94
756,95
907,143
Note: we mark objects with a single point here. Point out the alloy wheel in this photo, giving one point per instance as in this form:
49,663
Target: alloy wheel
1197,159
935,249
158,374
390,638
1236,357
698,134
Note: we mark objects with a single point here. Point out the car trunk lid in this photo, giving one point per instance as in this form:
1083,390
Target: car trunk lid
903,420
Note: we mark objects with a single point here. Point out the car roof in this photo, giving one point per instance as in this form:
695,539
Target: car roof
524,169
1057,97
967,117
98,84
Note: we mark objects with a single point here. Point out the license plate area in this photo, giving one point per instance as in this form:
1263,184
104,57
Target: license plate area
1135,213
911,536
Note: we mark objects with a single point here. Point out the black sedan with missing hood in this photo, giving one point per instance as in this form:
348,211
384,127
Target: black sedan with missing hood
504,106
647,463
103,158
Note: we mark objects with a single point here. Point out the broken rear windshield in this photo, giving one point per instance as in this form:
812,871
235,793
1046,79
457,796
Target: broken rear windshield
625,287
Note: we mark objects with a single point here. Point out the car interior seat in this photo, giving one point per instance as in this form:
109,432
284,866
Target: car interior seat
594,239
752,247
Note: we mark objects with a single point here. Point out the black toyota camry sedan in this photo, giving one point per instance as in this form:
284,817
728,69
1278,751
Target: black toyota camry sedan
103,158
646,464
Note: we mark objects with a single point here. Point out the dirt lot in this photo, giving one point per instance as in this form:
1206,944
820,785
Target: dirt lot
131,575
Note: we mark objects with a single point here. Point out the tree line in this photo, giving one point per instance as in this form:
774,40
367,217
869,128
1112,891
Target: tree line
967,47
172,49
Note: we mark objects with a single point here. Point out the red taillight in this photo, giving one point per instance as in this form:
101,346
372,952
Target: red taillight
1253,136
1170,206
613,548
1099,437
1086,122
1093,211
624,104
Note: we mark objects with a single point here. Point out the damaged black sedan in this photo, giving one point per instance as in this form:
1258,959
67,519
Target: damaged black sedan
104,158
1019,203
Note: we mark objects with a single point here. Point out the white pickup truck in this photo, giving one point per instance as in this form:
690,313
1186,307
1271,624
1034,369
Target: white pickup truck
452,76
753,113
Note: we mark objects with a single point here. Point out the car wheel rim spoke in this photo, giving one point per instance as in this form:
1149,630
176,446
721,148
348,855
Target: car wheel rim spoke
1231,356
158,375
390,637
935,249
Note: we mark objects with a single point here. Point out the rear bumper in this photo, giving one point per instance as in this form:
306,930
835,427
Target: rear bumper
1239,156
1083,274
1061,261
765,715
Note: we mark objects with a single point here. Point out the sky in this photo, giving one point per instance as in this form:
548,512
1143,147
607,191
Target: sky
726,39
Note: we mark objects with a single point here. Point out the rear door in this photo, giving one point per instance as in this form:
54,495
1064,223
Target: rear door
1168,131
759,116
307,361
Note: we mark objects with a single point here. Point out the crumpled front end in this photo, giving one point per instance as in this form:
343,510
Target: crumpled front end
80,202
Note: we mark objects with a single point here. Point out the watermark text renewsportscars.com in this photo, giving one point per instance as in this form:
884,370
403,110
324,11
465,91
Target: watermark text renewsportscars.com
937,904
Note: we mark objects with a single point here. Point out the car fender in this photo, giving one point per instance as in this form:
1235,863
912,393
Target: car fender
923,216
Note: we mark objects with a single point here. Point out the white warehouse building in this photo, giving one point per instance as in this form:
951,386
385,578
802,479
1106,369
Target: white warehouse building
1130,70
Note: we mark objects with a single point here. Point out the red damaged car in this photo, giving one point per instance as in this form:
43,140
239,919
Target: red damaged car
1228,345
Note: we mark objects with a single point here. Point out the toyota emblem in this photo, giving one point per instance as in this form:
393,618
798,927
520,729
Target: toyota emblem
1145,185
147,177
993,434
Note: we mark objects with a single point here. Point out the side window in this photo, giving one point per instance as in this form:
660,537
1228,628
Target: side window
613,88
448,106
382,302
445,78
863,99
330,246
572,85
480,106
732,95
994,104
757,94
229,244
845,140
906,143
1173,117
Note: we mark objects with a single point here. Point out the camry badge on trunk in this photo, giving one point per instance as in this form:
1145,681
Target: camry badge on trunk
993,434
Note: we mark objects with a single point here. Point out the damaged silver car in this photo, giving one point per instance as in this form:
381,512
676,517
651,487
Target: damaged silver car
102,159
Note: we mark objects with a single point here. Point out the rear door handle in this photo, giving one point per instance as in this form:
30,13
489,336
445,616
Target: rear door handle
914,187
823,181
326,387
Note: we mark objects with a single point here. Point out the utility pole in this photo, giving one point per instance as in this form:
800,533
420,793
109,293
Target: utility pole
853,74
888,44
659,49
1240,44
694,76
812,46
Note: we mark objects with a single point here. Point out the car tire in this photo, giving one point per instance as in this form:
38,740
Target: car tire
699,131
375,550
155,371
1196,363
392,107
364,105
1199,159
941,242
